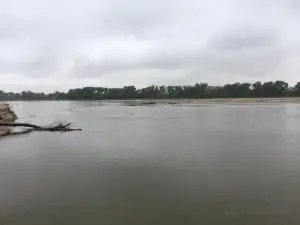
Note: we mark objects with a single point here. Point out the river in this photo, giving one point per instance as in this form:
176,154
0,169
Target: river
167,164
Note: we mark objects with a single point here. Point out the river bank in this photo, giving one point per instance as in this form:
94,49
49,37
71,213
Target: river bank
214,100
241,100
6,115
287,99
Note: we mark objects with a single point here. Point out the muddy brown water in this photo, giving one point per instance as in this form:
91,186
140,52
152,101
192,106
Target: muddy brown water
187,164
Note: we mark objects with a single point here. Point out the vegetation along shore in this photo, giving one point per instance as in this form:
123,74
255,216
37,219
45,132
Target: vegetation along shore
276,89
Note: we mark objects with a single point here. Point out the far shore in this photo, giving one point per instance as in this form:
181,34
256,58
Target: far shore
170,100
289,99
219,100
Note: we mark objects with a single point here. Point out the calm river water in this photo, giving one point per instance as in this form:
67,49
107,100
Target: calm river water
167,164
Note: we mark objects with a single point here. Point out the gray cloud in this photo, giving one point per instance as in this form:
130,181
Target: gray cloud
244,39
115,42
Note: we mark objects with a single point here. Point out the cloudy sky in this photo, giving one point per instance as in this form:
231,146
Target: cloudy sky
48,45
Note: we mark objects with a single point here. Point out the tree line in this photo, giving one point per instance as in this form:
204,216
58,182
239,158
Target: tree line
199,90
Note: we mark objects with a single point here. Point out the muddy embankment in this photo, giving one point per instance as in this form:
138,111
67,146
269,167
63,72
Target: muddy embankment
6,115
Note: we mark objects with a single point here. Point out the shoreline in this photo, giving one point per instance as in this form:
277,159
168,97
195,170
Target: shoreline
6,115
266,99
288,99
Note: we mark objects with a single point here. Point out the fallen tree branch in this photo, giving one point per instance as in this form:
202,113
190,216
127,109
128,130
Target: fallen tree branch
14,133
8,124
32,127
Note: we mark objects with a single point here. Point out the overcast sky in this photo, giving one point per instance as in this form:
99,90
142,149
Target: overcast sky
48,45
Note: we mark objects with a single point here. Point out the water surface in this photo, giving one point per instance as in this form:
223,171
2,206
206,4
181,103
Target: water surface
213,164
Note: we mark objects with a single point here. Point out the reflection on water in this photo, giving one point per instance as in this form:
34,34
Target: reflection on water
227,164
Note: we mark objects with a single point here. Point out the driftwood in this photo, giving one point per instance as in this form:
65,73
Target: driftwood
32,127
